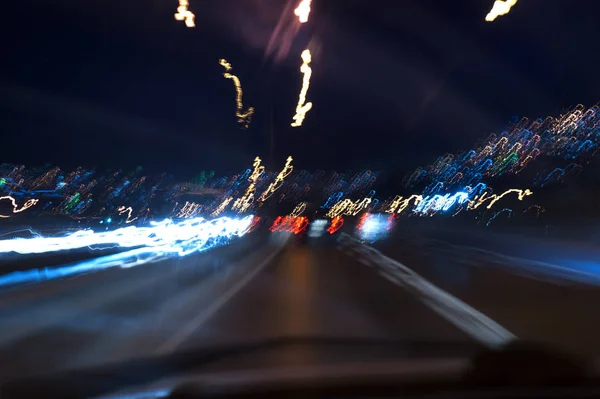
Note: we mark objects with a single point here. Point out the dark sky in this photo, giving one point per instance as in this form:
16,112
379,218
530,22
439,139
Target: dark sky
395,83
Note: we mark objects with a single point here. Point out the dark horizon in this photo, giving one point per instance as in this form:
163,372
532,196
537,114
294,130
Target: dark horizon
122,85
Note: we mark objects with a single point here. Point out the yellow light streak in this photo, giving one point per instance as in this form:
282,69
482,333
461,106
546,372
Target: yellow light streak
479,200
299,209
28,204
183,14
399,204
500,7
347,207
340,208
303,10
278,182
302,108
243,203
222,206
128,210
243,117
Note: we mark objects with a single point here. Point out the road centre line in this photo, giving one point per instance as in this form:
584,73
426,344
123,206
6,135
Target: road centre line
463,316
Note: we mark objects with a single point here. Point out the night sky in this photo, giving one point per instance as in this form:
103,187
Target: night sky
395,83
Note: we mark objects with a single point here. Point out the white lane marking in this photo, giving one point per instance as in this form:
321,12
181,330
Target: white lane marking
463,316
183,334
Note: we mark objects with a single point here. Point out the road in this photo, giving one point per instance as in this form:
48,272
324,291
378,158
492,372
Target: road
264,287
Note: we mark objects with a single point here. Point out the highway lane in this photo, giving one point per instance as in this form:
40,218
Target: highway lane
116,313
262,288
266,290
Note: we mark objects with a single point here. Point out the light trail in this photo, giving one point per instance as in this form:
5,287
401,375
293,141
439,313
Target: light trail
336,224
242,204
490,220
436,203
183,14
289,224
399,204
340,208
479,200
287,169
301,207
243,117
374,226
172,240
303,107
128,210
222,206
500,7
189,210
347,207
28,204
317,228
303,10
167,236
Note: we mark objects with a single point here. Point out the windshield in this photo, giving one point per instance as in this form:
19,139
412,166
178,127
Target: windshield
185,175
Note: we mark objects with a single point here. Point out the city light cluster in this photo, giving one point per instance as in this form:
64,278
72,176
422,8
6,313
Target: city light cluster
470,200
573,137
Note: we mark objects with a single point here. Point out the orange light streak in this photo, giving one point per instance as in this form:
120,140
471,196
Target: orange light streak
336,224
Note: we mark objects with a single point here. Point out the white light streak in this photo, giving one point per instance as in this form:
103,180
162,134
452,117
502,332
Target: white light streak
500,7
128,210
303,10
180,238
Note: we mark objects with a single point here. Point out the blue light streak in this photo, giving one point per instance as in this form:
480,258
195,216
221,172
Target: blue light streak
165,240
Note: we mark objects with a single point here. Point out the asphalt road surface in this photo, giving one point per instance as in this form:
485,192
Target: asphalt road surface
421,289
